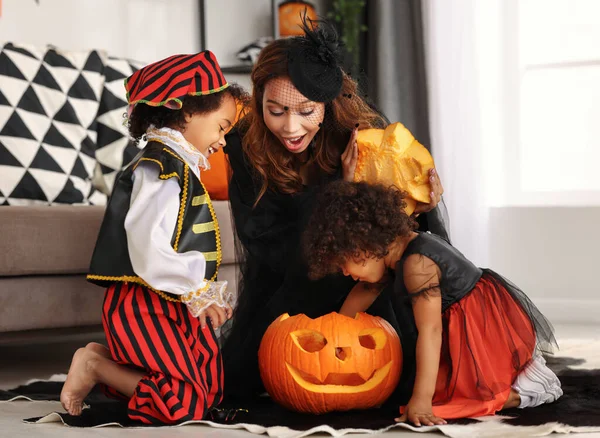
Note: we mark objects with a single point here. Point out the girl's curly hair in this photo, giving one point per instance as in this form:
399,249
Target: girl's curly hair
349,219
143,115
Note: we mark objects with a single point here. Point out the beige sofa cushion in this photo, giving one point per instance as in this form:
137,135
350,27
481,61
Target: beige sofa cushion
54,301
223,212
59,301
41,240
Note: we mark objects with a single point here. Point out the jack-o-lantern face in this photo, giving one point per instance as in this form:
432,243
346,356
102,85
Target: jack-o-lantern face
332,363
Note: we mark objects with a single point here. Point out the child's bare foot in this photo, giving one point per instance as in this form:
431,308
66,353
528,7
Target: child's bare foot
100,349
80,380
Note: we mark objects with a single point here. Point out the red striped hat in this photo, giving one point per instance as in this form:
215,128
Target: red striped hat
166,82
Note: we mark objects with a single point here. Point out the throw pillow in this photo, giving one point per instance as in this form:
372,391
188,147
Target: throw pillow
115,149
49,99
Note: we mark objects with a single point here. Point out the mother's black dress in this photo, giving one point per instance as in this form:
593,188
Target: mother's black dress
274,276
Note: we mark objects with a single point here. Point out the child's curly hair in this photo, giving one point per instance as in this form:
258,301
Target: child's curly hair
143,115
351,218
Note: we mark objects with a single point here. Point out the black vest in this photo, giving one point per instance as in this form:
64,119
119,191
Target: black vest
459,275
196,228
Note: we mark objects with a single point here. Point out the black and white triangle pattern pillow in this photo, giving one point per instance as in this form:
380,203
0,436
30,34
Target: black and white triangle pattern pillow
115,150
49,100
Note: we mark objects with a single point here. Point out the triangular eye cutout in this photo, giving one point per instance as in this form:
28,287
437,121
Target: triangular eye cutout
309,341
283,317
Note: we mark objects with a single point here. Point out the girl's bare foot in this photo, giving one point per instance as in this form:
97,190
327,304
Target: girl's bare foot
514,400
100,349
80,380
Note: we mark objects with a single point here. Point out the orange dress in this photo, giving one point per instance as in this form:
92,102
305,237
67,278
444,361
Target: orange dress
490,329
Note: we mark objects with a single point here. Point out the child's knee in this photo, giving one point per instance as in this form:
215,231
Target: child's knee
100,349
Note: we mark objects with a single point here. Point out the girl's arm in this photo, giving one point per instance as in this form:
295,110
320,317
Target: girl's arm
422,279
360,298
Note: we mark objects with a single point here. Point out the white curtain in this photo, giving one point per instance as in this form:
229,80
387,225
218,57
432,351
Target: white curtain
456,120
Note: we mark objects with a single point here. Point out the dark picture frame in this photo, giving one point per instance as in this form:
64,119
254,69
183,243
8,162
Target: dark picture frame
234,69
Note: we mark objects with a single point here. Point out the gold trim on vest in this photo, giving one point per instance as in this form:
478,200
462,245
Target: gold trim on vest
199,200
184,193
211,256
203,228
162,169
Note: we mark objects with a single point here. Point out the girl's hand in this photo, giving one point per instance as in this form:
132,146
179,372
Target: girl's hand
217,314
435,195
350,158
419,412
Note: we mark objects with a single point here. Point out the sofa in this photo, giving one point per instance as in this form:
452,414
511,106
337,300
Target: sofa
62,143
44,257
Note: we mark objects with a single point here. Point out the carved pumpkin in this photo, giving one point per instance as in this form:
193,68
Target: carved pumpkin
290,13
332,363
394,156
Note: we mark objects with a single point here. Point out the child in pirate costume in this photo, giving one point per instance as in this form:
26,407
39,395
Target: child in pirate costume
158,252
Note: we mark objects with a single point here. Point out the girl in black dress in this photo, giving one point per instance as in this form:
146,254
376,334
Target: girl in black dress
479,336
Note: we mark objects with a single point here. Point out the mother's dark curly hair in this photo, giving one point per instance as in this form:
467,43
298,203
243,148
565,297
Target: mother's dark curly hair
349,219
144,115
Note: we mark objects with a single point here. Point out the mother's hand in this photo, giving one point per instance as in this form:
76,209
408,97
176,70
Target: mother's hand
350,158
435,195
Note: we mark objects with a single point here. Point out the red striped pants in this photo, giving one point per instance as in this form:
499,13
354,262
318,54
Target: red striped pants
183,362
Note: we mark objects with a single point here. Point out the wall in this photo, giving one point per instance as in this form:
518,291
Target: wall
117,26
167,26
232,24
552,253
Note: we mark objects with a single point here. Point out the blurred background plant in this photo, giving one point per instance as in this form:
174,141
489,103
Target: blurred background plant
347,14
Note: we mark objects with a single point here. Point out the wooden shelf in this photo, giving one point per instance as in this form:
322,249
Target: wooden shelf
237,69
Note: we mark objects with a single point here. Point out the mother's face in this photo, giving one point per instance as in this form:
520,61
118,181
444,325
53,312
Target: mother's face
290,116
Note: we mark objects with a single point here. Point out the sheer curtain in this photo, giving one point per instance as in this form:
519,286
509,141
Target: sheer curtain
424,64
456,101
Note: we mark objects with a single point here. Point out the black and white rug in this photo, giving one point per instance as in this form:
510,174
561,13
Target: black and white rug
577,411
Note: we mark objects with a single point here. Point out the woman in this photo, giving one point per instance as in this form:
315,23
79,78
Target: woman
299,134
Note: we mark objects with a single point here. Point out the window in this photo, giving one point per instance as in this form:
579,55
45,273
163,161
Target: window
552,106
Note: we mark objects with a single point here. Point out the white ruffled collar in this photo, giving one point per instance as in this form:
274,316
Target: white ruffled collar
176,141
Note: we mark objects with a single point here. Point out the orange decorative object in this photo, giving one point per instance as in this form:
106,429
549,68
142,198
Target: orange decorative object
216,179
332,363
289,17
394,156
241,111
